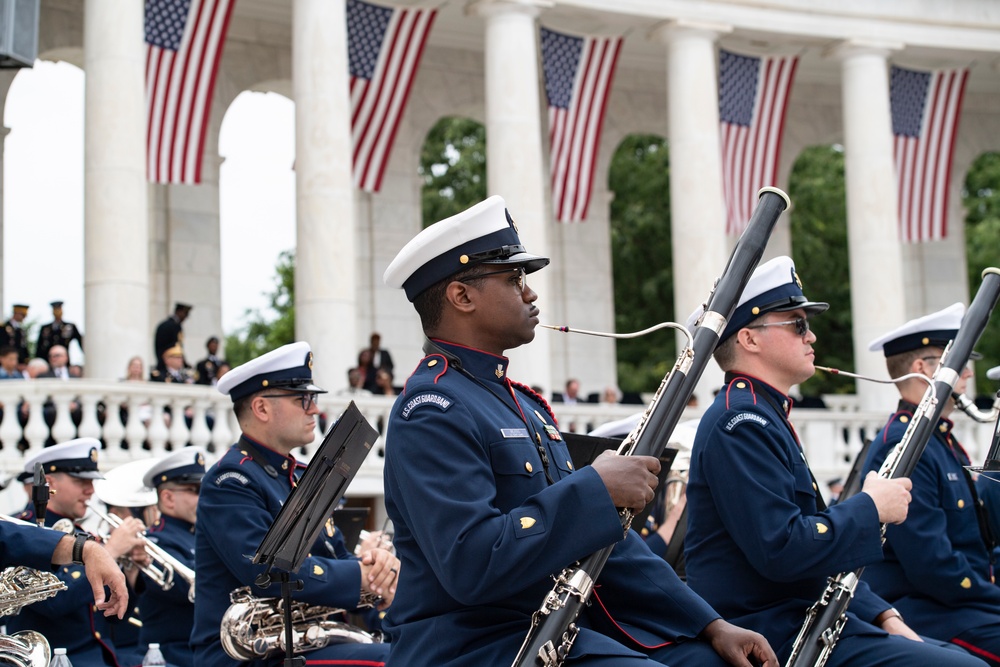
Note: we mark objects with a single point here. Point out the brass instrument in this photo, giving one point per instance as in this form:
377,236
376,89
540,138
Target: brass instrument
21,586
162,566
253,628
967,406
25,649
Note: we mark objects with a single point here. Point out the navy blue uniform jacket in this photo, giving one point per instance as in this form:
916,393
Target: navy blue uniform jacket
758,547
236,506
480,528
937,568
168,616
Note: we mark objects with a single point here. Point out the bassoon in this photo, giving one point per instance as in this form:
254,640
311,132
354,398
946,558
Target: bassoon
553,627
826,618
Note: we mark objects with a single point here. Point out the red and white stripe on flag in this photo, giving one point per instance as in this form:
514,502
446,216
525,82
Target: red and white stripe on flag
385,46
753,97
184,46
578,76
925,111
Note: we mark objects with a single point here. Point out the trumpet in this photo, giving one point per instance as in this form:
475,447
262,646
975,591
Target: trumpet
162,566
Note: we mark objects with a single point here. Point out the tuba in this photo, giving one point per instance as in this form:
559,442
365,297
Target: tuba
253,628
25,649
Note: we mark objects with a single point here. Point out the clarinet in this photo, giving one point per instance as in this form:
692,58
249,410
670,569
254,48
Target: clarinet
826,618
553,627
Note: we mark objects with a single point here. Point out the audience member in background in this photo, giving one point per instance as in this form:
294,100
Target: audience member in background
355,384
8,364
57,332
135,371
383,380
58,363
169,333
367,370
611,396
36,368
220,371
381,359
173,368
205,370
570,395
15,335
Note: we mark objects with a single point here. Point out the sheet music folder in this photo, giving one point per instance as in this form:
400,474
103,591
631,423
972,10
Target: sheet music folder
318,492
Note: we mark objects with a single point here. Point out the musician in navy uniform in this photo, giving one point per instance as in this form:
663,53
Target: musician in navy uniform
56,332
274,399
760,542
168,615
68,619
483,496
939,563
14,334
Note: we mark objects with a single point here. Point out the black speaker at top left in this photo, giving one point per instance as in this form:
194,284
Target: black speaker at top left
18,33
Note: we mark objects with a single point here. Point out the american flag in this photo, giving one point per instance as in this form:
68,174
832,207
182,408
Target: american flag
184,40
578,74
925,110
384,48
753,94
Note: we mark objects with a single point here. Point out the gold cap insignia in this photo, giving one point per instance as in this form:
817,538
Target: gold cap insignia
512,223
527,522
93,454
163,478
755,310
200,460
317,570
821,528
966,583
795,277
925,340
464,259
264,383
310,362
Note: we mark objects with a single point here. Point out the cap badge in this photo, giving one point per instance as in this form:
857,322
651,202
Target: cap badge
464,259
310,363
93,454
795,278
200,460
499,371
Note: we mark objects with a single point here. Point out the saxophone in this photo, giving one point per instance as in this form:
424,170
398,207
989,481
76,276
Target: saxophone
25,649
21,586
254,628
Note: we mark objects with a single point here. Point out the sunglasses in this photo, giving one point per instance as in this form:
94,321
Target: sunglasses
801,325
519,281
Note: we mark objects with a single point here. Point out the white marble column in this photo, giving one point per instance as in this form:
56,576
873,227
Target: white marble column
4,131
116,252
878,299
697,211
515,167
325,259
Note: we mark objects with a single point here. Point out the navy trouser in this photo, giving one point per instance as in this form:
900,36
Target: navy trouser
983,643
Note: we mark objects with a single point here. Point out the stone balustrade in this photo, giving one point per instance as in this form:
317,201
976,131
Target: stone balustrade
136,420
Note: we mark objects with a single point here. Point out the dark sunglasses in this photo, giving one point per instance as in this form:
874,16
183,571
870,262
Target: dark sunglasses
520,281
801,325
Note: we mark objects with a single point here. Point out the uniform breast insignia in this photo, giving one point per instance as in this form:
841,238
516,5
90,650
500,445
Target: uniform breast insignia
552,432
514,432
952,476
966,583
745,417
437,400
239,477
527,522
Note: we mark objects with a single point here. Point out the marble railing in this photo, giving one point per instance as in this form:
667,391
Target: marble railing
135,420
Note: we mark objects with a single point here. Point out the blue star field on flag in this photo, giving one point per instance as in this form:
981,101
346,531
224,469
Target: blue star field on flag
366,26
737,88
165,21
560,59
908,92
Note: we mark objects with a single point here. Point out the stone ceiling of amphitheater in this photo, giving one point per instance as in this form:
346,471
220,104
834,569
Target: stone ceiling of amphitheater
935,34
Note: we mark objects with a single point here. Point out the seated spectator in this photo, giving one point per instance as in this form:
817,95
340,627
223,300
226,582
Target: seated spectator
570,395
206,369
173,368
36,368
611,395
383,379
366,367
58,363
135,371
355,384
8,364
220,371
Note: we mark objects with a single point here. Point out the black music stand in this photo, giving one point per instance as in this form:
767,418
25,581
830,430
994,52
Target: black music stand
308,507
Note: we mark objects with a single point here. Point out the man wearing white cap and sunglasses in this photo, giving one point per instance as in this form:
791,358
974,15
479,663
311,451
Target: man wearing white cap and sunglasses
274,399
761,542
939,563
482,493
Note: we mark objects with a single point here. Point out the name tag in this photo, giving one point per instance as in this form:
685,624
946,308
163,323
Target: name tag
953,477
514,432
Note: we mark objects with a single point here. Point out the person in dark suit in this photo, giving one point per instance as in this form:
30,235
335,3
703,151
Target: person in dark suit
207,368
761,543
939,563
381,359
57,332
170,332
484,522
15,335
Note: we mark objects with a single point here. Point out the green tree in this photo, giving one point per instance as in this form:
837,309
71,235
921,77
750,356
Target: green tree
819,249
981,198
641,259
264,331
453,168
